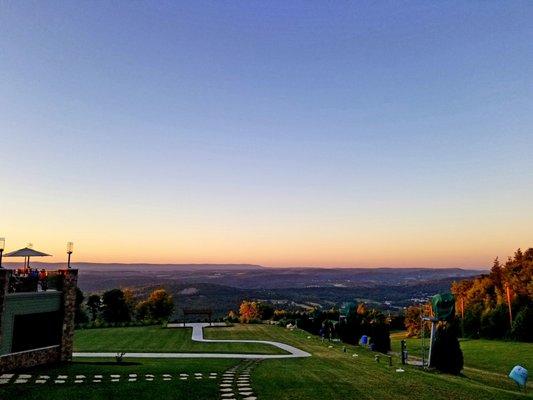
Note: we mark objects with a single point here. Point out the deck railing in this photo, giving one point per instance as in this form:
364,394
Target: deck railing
25,281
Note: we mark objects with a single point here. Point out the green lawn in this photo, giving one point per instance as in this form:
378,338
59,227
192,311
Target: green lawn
158,339
330,373
490,355
333,374
190,389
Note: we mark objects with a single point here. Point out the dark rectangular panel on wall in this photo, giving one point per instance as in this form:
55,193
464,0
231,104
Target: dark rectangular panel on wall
33,331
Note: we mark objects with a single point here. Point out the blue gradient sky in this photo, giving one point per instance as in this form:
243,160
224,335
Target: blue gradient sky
280,133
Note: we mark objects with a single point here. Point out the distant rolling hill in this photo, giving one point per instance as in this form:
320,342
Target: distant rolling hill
223,286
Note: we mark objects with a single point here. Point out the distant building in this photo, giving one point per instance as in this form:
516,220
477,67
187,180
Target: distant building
36,325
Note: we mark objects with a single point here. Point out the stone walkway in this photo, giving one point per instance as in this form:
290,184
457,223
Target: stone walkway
98,378
198,336
236,382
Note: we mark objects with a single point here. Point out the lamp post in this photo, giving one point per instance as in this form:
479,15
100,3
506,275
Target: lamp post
70,246
2,247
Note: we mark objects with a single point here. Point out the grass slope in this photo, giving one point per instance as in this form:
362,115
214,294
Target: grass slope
330,373
489,355
333,374
158,339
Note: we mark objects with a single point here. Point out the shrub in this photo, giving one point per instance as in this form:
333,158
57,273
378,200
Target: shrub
447,355
522,325
494,323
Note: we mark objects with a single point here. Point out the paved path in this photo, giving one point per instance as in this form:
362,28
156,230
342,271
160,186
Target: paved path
198,336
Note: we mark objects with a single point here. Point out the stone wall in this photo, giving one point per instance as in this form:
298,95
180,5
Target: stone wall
4,282
69,284
30,358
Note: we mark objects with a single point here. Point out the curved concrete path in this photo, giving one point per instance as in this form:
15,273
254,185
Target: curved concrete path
198,336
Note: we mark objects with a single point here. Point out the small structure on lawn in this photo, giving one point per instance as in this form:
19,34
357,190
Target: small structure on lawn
204,311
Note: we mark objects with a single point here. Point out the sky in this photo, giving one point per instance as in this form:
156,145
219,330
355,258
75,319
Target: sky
302,133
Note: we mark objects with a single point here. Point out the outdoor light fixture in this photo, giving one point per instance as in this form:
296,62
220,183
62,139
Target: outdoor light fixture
70,246
2,247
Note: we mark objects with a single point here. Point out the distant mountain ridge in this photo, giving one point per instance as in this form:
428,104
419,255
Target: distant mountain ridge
142,266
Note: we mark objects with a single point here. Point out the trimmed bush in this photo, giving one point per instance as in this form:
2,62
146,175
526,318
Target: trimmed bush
447,355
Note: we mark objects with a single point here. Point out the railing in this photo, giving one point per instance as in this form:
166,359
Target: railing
33,281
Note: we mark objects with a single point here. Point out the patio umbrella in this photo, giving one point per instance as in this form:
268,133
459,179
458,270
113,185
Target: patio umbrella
26,252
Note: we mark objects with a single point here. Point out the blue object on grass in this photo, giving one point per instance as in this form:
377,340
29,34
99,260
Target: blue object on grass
364,340
519,375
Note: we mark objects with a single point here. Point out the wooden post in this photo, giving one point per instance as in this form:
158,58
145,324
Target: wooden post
431,342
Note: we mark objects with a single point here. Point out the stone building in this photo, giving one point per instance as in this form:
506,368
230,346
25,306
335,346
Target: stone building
36,326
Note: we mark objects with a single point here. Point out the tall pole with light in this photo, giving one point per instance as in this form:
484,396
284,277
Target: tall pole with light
70,246
2,247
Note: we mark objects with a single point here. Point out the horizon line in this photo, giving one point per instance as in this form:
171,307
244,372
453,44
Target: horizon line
477,268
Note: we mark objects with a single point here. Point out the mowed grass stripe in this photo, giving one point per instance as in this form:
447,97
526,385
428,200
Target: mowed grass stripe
331,373
191,389
158,339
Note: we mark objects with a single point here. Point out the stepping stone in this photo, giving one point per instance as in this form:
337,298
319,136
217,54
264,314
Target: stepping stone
115,376
78,381
197,374
7,376
4,381
250,398
148,375
115,380
59,381
97,380
198,377
21,381
245,389
62,376
24,376
132,375
164,376
151,379
80,376
246,393
166,379
227,395
132,379
225,390
225,385
184,374
183,378
40,381
212,377
98,377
